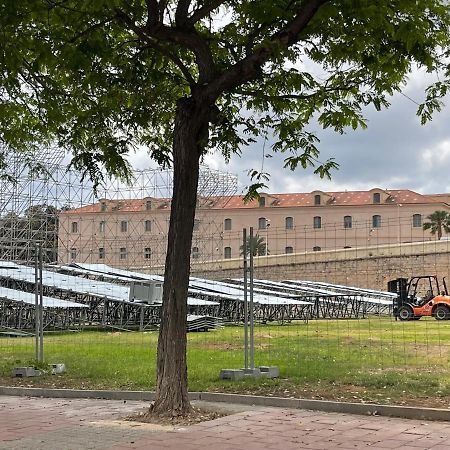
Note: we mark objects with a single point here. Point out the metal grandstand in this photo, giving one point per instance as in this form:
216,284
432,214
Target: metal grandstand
98,295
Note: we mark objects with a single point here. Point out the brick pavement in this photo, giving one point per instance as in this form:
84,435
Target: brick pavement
60,424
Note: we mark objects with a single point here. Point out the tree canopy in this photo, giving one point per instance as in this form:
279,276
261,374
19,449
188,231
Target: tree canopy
102,78
438,221
255,245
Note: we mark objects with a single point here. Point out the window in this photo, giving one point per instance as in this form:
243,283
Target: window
289,221
262,223
289,250
147,253
377,197
196,224
123,253
103,206
73,253
195,253
262,202
227,252
74,227
102,226
148,205
101,253
347,221
317,199
417,220
227,224
147,225
317,222
376,221
316,248
123,226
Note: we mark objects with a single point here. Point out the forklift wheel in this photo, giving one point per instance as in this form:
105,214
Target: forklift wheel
405,313
442,312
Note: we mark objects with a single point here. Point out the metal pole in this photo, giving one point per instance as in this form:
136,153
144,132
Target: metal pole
36,300
41,308
252,344
245,247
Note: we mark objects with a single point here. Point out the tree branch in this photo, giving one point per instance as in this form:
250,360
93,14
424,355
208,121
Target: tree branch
89,29
249,68
188,39
152,42
203,12
325,90
152,12
181,14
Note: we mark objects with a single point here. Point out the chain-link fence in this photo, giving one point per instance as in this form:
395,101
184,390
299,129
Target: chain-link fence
323,314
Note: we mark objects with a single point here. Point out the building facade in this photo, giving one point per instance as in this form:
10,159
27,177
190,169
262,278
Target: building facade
133,233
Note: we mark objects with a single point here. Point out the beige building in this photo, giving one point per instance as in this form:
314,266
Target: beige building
133,233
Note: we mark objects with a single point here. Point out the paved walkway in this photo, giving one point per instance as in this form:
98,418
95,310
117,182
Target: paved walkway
59,424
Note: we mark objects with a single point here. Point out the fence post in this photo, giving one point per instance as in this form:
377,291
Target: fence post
244,246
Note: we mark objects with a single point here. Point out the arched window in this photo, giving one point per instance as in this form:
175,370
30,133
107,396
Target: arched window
73,253
376,221
147,253
102,226
123,226
317,199
147,225
227,223
262,202
289,249
317,222
376,197
417,220
195,253
262,223
148,205
289,223
74,227
316,248
227,252
347,221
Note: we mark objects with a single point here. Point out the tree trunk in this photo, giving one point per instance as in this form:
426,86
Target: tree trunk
190,132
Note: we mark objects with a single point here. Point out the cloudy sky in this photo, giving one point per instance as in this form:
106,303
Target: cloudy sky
394,152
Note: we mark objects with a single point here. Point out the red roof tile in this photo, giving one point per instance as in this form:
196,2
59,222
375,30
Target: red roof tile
354,198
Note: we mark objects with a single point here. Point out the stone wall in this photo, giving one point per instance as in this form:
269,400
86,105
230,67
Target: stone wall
370,267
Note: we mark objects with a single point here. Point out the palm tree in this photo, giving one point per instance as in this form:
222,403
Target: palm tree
438,221
257,244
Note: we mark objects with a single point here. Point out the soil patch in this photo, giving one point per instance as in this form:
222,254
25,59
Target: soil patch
197,415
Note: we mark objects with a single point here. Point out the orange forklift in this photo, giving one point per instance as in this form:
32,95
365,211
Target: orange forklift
420,296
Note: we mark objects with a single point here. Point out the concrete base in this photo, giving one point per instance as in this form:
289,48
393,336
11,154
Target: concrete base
57,368
26,372
231,374
269,371
252,373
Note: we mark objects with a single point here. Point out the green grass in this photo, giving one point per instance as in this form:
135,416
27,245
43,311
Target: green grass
375,359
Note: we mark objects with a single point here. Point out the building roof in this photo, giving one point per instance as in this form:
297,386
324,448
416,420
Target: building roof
352,198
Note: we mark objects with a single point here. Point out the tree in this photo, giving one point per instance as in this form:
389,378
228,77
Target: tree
18,233
256,244
438,221
101,78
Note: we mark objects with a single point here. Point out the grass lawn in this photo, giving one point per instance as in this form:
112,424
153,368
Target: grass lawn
374,359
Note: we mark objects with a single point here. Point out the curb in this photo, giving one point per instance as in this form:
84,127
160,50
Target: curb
404,412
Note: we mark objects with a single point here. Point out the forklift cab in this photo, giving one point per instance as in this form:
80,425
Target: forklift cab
417,291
